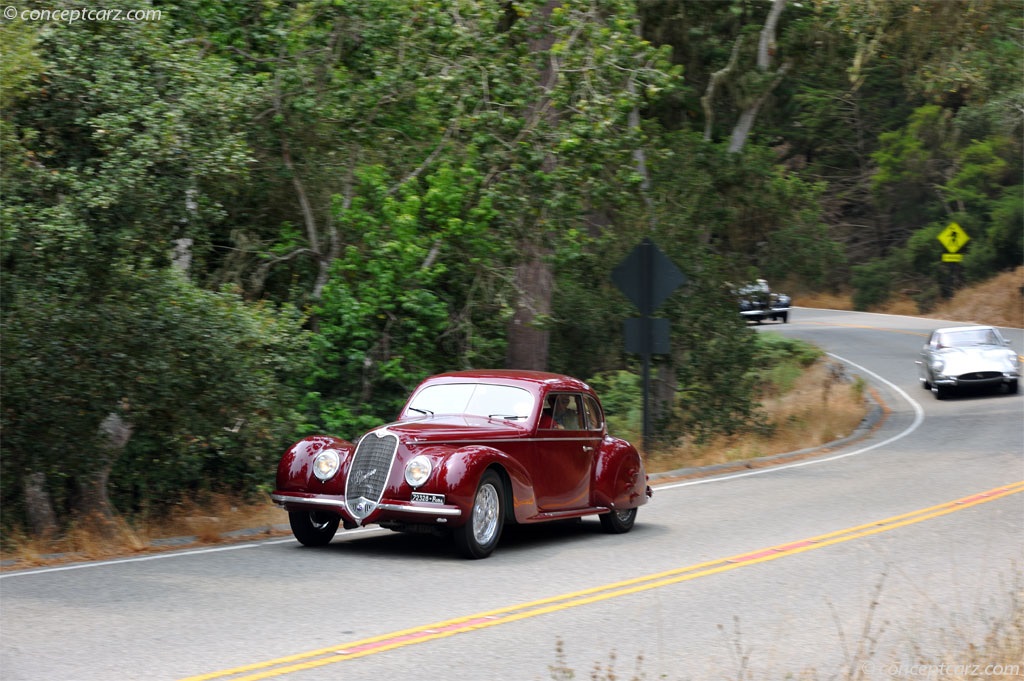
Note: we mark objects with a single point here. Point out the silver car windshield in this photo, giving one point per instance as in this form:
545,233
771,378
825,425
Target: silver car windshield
961,339
477,399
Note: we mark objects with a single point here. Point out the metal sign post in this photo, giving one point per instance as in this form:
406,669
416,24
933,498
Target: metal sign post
647,277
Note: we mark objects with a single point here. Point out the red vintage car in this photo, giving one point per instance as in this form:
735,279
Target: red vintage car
470,452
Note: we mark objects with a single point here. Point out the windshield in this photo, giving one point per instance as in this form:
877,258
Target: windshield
478,399
961,339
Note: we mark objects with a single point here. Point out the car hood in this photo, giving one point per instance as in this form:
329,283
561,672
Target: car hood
452,427
979,358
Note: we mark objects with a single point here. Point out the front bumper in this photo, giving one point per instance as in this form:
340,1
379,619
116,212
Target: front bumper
387,508
977,379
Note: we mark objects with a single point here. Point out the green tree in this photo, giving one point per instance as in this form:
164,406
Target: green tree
408,300
143,394
121,147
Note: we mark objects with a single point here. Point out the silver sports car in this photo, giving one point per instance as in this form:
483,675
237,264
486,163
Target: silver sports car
968,356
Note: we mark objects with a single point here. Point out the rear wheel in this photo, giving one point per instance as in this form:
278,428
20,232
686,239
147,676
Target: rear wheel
479,536
618,522
313,528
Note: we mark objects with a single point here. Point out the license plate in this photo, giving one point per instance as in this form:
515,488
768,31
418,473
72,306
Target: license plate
428,498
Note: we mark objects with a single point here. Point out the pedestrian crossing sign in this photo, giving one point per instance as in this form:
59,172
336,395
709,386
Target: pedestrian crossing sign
953,237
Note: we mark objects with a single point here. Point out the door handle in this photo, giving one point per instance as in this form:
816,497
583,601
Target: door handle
587,448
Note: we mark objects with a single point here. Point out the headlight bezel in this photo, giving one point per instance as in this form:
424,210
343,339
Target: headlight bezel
418,471
326,464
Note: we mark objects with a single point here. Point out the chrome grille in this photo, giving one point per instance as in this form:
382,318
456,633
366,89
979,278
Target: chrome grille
368,474
981,376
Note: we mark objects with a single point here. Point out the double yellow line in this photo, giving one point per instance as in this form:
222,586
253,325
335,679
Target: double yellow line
406,637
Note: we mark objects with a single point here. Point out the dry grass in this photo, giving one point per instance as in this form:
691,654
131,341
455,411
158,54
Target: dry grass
824,405
212,520
999,302
823,301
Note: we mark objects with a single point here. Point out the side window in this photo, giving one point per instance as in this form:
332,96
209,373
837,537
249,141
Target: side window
595,420
547,415
561,412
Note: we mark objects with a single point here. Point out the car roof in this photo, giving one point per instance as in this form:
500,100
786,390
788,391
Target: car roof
977,327
538,378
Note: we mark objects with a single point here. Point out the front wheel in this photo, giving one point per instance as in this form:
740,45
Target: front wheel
618,522
479,536
313,528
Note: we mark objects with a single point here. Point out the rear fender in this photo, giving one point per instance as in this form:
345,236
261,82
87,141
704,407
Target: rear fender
620,480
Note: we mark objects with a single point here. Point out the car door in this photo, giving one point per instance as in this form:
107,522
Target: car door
565,451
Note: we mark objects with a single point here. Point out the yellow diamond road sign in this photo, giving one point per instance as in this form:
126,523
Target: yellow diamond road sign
953,237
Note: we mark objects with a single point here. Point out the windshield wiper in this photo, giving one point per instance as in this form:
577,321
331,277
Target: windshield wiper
422,411
506,417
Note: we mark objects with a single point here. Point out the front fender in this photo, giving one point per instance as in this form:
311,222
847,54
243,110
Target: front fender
461,471
295,470
620,480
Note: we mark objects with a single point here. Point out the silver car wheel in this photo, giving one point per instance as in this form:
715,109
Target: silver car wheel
478,537
485,514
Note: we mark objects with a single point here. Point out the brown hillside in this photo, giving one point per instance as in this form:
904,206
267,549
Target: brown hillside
998,301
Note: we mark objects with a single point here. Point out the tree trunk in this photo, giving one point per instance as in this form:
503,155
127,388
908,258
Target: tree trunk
765,51
42,521
707,101
528,344
664,387
93,501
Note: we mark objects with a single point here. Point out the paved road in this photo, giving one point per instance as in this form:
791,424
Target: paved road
897,549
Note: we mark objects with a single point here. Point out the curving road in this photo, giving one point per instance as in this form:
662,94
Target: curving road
896,549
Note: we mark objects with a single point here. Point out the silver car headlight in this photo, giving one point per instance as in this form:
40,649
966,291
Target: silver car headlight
326,464
938,365
417,471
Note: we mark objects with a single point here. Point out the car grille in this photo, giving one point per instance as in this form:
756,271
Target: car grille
981,376
368,474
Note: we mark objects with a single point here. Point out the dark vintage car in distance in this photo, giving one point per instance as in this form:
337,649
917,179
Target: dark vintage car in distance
967,357
757,303
470,452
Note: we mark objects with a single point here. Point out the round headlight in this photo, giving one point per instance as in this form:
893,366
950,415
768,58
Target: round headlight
938,365
417,471
326,464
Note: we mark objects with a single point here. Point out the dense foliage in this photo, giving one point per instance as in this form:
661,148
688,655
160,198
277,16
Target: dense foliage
235,224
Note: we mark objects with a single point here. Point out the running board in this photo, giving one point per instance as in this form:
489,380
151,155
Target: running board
566,515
